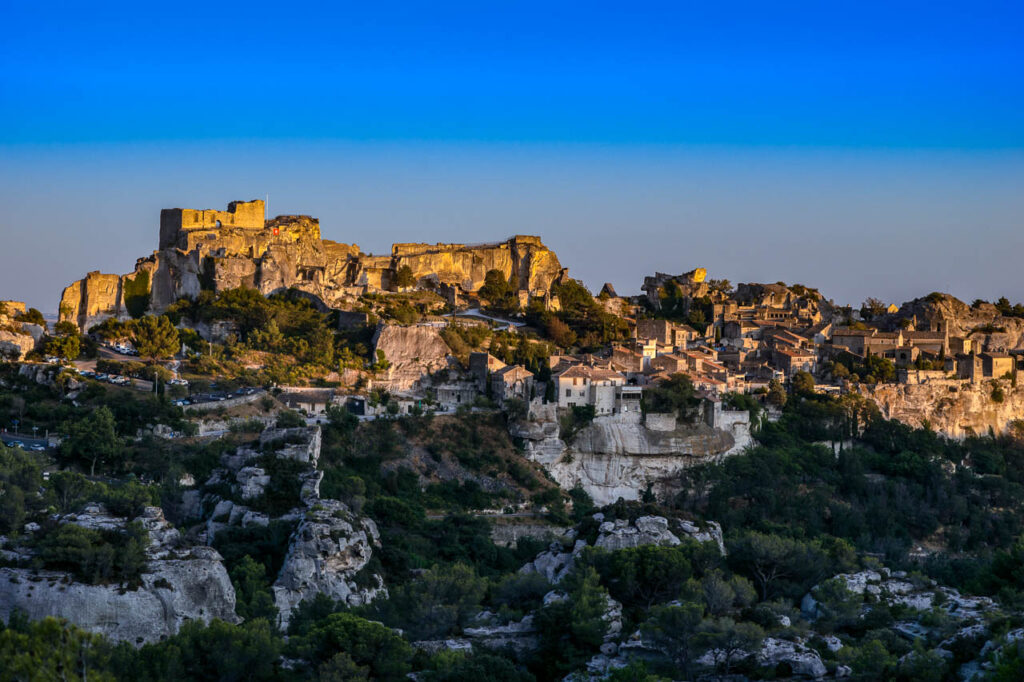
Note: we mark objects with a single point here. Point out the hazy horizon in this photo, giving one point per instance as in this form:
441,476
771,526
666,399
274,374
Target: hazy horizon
868,151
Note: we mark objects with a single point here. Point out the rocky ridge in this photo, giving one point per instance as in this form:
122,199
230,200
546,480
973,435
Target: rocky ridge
330,545
181,583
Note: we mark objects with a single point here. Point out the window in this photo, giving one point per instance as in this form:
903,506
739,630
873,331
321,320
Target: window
568,392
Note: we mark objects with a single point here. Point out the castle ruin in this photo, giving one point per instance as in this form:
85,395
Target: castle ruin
205,249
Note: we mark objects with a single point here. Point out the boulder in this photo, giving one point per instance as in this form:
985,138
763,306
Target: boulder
802,661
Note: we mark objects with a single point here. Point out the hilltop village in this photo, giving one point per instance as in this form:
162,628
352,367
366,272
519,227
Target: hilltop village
513,300
265,455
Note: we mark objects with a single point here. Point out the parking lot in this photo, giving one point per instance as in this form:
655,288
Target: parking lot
17,440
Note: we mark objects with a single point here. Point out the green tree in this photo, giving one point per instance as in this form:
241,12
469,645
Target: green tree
451,666
776,393
559,332
724,594
571,629
644,575
674,629
93,439
434,606
66,348
218,652
136,294
51,649
32,316
289,419
729,642
673,395
154,337
777,564
803,383
253,598
404,277
369,644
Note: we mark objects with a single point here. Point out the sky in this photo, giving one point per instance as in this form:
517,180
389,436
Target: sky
867,149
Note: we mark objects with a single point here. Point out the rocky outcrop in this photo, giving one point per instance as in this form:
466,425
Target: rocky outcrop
219,250
555,562
943,312
16,338
532,264
91,300
618,456
327,552
180,584
412,353
953,407
330,545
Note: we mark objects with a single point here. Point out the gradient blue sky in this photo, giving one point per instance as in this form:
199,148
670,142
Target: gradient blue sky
869,149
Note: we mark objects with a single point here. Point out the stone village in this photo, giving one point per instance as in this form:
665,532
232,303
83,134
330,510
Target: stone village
586,384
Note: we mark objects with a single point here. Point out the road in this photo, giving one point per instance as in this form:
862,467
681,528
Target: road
475,312
7,437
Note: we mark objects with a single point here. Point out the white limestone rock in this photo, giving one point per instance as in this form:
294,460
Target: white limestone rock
180,584
330,545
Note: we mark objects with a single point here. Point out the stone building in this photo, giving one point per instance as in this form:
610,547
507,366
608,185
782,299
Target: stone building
583,385
514,381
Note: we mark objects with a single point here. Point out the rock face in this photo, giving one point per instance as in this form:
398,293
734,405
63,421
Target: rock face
180,584
618,456
945,313
556,561
464,266
218,250
412,352
16,338
330,546
953,407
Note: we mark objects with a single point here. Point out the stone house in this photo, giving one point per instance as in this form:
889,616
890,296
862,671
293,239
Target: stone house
905,355
583,385
960,344
312,401
790,361
452,394
936,342
481,365
996,365
665,332
514,381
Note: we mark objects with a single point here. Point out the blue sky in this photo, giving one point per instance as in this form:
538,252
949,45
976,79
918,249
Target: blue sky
814,142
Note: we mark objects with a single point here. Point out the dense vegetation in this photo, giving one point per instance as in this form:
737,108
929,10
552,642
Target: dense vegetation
829,488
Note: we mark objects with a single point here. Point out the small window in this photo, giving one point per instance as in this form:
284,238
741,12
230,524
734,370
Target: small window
568,392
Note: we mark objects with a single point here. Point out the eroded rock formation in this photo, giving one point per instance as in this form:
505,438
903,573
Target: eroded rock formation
619,456
218,250
180,584
412,353
952,407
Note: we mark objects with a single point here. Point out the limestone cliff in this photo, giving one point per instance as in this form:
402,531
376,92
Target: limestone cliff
180,584
952,407
218,250
411,352
16,338
621,456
